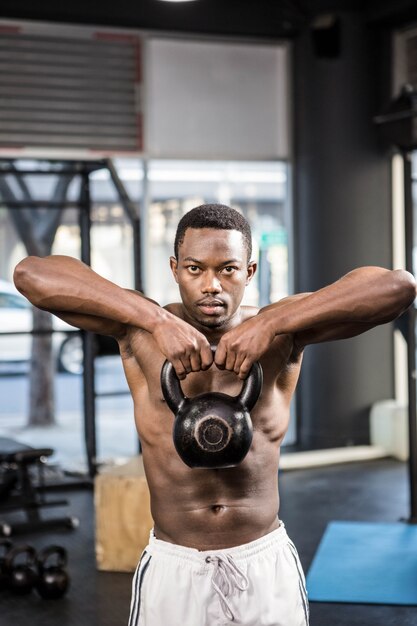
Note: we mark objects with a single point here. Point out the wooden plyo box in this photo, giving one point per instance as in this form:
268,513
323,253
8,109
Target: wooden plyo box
123,516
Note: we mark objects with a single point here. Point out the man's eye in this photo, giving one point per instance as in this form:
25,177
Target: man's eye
229,269
193,269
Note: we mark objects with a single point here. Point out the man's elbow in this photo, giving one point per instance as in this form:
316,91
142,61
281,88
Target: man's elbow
405,287
24,276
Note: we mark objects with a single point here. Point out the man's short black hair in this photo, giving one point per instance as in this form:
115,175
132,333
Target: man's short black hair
218,216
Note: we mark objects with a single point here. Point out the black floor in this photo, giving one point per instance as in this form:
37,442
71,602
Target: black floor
374,491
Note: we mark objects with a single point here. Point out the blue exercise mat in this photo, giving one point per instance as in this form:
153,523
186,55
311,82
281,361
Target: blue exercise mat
366,563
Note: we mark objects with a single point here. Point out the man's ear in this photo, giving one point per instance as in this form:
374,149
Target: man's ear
252,267
173,263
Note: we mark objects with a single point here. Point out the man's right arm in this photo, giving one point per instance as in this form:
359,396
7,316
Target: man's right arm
74,292
67,287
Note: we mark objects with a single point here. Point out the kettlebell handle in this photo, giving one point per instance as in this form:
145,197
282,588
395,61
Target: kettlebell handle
252,387
171,387
5,546
53,550
9,559
174,396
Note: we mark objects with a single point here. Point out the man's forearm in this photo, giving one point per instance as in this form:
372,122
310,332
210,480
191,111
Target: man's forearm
368,295
60,284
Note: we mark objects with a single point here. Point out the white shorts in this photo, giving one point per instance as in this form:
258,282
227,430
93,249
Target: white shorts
260,583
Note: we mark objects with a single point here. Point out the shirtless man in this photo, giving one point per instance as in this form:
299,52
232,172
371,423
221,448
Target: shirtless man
219,552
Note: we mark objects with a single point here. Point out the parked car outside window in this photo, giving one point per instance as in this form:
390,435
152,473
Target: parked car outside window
16,316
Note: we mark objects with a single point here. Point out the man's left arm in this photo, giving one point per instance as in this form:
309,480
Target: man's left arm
360,300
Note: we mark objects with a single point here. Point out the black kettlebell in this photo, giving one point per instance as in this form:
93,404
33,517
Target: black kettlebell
5,547
212,430
21,576
53,580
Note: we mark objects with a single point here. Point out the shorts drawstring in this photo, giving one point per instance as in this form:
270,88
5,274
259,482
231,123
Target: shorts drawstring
227,577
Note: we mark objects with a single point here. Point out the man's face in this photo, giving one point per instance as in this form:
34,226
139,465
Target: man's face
212,272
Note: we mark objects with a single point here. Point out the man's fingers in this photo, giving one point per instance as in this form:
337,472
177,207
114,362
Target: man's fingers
193,360
230,360
238,362
206,357
245,368
242,369
179,368
220,356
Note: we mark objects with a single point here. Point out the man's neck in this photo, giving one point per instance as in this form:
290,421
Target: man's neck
214,334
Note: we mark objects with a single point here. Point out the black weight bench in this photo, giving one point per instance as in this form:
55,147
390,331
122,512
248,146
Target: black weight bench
18,491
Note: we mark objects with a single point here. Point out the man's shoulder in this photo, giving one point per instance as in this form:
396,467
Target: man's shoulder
175,308
249,311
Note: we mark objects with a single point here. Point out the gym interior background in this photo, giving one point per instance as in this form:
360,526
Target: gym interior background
272,109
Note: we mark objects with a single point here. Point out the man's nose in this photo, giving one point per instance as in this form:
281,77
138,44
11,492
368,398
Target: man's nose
211,283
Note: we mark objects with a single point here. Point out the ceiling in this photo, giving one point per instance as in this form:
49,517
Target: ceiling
250,18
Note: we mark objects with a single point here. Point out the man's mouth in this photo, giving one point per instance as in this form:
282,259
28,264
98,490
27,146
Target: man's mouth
211,307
